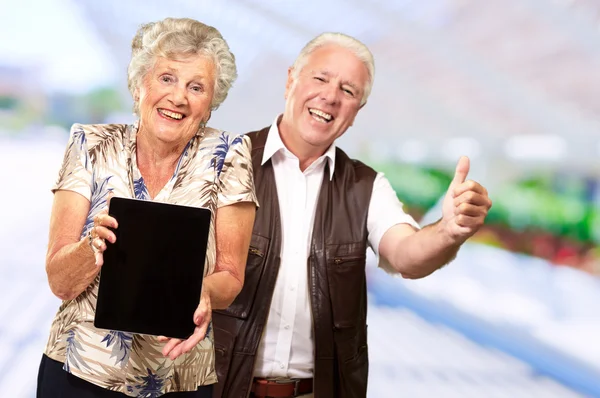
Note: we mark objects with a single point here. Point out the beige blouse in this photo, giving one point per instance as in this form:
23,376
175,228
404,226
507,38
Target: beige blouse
214,170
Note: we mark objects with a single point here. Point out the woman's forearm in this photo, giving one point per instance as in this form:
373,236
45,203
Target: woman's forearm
71,269
222,287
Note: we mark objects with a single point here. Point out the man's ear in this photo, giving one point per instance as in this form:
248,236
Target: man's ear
290,82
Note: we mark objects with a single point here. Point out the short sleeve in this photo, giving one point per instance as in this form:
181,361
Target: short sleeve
385,211
236,181
76,171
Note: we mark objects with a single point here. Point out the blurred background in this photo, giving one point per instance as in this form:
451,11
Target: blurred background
513,84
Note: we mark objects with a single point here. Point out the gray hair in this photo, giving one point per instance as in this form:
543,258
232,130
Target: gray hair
358,48
176,37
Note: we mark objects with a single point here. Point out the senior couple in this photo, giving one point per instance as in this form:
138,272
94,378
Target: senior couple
283,307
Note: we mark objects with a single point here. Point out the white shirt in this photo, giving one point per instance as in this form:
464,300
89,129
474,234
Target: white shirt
286,348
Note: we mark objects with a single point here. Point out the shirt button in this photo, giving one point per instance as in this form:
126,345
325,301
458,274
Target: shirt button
292,288
281,365
287,327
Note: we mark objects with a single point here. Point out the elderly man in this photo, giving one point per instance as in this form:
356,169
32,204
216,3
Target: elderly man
298,328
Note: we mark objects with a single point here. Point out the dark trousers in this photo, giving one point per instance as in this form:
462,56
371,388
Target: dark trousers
54,382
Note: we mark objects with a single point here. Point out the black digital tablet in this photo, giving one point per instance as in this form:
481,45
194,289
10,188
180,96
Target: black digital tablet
151,279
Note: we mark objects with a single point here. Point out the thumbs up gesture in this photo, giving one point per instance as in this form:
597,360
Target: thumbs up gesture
465,205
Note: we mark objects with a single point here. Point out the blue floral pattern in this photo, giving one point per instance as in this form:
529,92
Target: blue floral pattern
140,190
121,344
221,151
149,386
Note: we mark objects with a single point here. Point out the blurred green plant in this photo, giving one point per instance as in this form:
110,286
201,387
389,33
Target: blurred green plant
532,204
8,103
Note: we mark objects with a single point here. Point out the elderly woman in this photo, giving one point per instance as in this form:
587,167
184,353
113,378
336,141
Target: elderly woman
180,71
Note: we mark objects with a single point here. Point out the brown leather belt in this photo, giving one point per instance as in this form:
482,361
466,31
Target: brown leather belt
281,388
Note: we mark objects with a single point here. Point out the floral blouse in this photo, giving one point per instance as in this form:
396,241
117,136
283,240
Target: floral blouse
214,170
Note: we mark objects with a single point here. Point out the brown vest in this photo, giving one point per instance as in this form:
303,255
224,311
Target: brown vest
336,278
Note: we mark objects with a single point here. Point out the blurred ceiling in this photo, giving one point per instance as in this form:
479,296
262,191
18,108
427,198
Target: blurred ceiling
514,82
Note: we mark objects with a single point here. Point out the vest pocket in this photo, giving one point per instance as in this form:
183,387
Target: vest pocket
354,374
224,342
346,278
240,308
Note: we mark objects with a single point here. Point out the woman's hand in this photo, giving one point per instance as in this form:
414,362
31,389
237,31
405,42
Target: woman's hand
100,233
176,347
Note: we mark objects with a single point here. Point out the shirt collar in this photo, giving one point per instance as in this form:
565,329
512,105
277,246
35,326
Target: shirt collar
274,144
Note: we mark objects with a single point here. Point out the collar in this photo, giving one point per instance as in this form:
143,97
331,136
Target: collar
274,144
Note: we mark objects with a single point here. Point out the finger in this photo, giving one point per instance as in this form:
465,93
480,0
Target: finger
195,338
99,244
461,171
110,195
473,198
203,311
171,344
176,352
99,259
162,339
470,210
467,186
105,233
200,314
465,221
104,220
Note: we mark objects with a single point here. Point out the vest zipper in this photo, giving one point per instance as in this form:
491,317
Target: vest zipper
312,316
256,252
341,260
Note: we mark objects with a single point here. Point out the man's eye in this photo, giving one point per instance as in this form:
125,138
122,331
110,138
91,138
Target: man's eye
349,92
320,79
166,79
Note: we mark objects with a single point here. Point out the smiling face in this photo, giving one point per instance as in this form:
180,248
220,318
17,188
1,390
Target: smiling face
175,98
323,100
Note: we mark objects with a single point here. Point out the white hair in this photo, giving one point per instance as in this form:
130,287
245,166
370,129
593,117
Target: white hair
359,49
176,37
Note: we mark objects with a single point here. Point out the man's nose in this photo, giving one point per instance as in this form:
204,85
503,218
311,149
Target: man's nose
329,93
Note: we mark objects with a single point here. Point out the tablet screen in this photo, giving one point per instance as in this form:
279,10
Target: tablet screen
151,279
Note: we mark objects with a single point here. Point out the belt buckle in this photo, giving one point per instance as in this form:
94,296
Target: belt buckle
296,385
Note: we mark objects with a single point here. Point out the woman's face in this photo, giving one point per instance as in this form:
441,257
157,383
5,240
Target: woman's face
175,97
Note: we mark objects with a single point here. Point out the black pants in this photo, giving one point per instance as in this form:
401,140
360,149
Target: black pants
54,382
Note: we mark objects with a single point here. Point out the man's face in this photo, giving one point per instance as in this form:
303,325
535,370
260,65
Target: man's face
323,100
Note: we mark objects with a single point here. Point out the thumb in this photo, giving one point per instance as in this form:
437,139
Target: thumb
462,169
109,197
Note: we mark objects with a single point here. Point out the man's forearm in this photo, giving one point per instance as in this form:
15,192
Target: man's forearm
424,252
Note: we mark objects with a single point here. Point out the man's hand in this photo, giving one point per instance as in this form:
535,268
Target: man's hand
465,206
176,347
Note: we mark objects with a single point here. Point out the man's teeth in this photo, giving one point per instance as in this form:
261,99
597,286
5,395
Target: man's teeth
321,114
172,115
